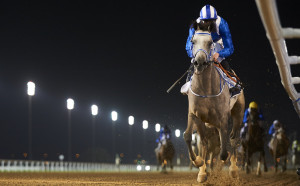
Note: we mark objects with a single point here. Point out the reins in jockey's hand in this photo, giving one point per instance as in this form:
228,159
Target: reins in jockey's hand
178,80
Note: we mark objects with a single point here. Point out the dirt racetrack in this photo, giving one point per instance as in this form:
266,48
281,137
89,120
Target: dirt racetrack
145,178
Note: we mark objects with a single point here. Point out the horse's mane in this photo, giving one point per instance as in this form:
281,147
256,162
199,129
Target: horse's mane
208,25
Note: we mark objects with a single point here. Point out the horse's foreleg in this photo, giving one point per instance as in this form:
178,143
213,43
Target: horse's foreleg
265,163
248,163
258,171
211,166
197,161
233,169
171,164
276,164
223,140
284,164
202,176
243,158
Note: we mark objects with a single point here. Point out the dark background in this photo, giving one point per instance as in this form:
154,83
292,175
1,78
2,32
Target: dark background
121,56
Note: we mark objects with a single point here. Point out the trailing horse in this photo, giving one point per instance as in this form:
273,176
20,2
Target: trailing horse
210,104
254,142
165,154
278,147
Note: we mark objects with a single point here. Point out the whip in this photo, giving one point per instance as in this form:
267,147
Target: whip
168,91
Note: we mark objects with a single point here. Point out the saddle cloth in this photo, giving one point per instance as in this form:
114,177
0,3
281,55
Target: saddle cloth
185,88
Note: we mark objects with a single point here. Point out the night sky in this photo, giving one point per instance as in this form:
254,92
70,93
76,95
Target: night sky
121,56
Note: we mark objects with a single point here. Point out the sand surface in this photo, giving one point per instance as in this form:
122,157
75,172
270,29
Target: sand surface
145,178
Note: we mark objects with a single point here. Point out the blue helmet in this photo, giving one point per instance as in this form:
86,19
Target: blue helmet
208,12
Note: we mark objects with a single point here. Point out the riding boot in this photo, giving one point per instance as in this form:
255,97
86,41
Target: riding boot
226,66
238,86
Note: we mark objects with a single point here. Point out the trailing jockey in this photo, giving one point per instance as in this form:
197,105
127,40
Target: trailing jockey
253,107
164,134
274,129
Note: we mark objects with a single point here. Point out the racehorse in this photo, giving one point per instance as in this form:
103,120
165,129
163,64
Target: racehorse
254,142
210,104
164,154
278,147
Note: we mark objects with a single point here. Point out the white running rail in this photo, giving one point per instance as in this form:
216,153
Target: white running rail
7,165
277,35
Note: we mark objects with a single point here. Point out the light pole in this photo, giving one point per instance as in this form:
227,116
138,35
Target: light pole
70,106
130,122
114,118
177,134
94,110
145,127
30,92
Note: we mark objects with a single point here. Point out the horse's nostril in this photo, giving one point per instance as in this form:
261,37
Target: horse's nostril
195,63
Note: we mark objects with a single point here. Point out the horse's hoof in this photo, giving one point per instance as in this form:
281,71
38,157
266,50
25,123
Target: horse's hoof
198,162
234,173
224,156
202,178
163,171
266,169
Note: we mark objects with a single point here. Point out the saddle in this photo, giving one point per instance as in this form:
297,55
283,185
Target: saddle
232,80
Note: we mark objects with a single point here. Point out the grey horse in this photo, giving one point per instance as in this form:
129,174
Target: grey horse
278,147
210,104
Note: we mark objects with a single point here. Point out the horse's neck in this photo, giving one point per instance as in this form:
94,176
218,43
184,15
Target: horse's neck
208,80
253,128
280,134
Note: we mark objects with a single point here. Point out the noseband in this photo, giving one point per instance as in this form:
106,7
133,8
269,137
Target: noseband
203,50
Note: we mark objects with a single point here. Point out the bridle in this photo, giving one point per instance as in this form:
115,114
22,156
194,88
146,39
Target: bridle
206,63
208,55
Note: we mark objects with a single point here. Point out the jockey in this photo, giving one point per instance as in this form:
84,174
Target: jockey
253,107
220,34
275,127
164,133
